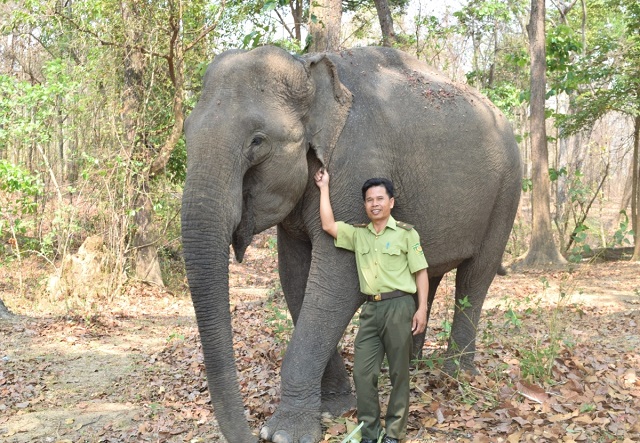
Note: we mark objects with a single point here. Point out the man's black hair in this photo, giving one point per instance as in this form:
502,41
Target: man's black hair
388,185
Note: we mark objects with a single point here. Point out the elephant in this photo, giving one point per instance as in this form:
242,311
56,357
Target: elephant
265,122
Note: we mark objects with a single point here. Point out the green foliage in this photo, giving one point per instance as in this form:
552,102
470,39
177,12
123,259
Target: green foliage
587,407
27,110
15,179
355,5
580,245
19,190
446,331
562,44
481,16
622,234
535,348
431,38
512,318
464,303
506,96
279,321
499,53
555,174
177,164
604,77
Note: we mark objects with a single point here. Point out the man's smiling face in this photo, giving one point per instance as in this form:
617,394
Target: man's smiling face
377,203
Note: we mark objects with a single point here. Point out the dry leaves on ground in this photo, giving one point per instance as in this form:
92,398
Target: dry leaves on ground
557,357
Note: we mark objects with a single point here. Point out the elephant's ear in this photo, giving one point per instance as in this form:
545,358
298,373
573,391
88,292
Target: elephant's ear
329,108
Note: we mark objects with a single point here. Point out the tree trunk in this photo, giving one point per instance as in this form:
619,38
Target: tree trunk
542,248
146,256
386,22
325,25
627,190
635,193
296,13
145,238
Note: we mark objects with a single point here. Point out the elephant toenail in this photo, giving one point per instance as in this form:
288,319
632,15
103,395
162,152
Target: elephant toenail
264,433
281,437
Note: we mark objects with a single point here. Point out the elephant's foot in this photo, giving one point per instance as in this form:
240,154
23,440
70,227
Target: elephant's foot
337,403
292,426
456,363
337,396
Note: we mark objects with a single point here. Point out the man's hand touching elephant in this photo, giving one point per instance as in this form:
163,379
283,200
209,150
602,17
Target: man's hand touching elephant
321,178
329,224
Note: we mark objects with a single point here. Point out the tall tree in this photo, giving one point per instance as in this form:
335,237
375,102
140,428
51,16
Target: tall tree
635,193
542,248
607,79
386,22
146,256
325,23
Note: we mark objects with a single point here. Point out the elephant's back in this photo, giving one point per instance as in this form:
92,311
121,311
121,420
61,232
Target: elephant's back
447,148
397,94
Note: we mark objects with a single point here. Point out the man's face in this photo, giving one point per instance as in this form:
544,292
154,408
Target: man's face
377,203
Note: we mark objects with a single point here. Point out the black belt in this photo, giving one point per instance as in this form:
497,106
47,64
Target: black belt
386,295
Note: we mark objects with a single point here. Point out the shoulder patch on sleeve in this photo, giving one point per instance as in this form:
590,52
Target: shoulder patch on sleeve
417,249
403,225
359,225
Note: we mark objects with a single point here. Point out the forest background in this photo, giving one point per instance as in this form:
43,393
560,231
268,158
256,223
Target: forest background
93,96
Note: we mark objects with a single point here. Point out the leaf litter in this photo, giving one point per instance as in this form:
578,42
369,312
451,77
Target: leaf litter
557,358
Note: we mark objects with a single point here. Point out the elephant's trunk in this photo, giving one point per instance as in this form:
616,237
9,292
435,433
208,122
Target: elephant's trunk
207,226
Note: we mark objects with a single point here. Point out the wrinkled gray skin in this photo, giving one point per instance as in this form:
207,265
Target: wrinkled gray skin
266,121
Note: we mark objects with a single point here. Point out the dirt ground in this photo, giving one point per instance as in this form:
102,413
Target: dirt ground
132,371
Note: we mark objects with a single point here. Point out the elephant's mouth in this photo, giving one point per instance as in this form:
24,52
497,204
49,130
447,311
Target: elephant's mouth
242,236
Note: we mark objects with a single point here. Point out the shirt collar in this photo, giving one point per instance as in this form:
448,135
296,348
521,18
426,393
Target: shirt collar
391,223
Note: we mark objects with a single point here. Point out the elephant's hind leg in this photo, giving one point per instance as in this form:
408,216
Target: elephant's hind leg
474,276
418,340
471,290
337,396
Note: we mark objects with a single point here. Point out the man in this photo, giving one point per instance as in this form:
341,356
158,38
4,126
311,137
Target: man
391,267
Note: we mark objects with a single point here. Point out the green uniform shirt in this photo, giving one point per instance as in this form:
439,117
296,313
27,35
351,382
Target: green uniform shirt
387,261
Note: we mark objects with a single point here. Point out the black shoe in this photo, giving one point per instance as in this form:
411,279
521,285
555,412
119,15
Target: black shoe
388,439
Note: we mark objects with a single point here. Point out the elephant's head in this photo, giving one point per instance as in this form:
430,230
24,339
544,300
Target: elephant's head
259,114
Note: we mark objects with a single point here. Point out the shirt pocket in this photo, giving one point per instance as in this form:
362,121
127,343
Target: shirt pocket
393,259
364,257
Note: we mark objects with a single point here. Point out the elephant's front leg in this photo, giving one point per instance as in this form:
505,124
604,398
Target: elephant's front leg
294,261
331,299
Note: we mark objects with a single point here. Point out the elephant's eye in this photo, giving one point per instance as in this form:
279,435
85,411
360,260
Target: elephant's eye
257,140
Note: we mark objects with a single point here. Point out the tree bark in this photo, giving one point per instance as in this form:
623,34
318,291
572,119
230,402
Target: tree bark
542,248
146,256
627,190
175,62
386,22
635,190
325,25
296,13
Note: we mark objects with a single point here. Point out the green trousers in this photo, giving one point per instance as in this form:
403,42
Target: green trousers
385,328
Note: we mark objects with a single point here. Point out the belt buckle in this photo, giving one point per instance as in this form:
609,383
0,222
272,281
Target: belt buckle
377,297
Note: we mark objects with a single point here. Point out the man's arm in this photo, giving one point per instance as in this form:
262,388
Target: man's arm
329,224
420,318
